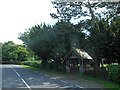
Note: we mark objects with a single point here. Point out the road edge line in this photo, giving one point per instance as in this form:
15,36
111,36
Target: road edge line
21,78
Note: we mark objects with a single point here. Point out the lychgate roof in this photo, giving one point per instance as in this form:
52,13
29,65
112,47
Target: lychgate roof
79,52
83,54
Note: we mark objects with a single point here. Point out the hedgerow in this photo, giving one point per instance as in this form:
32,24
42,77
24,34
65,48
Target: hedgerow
114,73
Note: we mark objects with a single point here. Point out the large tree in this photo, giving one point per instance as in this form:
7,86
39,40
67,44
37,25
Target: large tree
50,42
38,39
68,10
76,10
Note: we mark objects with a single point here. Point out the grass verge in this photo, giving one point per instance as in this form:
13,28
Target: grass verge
104,83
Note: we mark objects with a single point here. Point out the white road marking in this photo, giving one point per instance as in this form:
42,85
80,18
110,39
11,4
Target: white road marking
78,86
21,78
63,81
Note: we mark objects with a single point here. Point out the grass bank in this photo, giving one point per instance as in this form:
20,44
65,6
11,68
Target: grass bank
104,83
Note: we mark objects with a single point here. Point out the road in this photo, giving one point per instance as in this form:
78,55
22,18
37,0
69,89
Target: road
16,77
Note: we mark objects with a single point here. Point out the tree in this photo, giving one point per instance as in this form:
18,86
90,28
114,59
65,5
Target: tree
22,53
105,37
38,39
68,10
75,10
1,44
7,51
13,52
50,42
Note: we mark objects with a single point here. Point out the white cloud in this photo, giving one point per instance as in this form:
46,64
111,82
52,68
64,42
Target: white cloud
16,15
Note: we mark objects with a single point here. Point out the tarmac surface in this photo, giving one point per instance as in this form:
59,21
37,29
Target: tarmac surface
17,77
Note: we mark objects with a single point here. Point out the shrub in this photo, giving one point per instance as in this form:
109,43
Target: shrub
114,73
32,63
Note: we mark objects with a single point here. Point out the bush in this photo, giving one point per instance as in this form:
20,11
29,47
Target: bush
114,73
32,63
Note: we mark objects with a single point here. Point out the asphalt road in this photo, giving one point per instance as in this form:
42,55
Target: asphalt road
16,77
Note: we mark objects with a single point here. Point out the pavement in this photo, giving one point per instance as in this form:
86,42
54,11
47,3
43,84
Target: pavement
17,77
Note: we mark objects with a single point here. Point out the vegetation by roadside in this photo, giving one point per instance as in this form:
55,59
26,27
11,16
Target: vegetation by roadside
46,46
104,83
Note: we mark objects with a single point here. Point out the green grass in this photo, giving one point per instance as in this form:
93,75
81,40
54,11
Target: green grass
104,83
30,67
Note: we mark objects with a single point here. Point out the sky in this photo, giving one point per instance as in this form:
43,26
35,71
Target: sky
18,15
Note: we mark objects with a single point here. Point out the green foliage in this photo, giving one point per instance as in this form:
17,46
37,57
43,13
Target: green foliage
22,53
12,52
50,42
32,63
104,33
114,73
38,39
103,28
101,41
1,52
75,10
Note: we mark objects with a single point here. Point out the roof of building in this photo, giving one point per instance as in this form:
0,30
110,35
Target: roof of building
80,52
83,54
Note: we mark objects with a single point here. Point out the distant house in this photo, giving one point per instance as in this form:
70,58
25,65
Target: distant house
77,60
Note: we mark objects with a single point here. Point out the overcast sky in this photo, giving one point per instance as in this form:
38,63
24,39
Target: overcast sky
18,15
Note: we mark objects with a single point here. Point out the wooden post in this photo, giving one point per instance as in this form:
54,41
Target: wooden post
81,66
68,66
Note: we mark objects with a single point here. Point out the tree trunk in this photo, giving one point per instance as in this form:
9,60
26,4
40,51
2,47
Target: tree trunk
44,63
96,57
97,66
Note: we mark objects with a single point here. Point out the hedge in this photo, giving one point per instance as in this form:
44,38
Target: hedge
32,63
114,73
